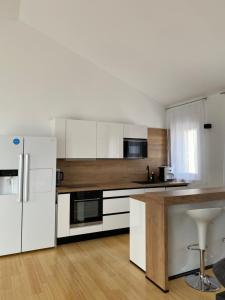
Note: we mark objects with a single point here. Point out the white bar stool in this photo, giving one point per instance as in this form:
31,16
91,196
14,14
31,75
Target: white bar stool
201,281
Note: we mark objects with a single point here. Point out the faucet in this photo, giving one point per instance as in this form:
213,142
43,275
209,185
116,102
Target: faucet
148,172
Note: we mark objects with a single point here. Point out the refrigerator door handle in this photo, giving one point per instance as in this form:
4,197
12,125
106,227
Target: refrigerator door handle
20,179
26,177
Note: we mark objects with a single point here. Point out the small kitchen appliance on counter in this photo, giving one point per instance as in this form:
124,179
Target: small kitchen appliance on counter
59,177
166,174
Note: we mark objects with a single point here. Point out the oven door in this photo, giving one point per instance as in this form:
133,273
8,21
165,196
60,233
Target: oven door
135,148
86,211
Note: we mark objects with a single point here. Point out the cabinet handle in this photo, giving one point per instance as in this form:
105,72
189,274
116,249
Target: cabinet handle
26,178
20,178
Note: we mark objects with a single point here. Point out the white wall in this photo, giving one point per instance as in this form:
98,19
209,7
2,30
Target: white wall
216,140
40,80
9,9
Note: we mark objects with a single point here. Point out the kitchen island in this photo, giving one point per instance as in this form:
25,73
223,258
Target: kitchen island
160,232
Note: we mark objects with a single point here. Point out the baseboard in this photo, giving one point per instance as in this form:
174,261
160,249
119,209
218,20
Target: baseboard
91,236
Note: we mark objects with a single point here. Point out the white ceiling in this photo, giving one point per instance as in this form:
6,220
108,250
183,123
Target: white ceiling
170,50
9,9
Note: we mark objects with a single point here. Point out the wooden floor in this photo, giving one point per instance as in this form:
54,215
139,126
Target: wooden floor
90,270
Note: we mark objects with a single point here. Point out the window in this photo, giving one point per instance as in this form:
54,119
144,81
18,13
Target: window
191,136
185,124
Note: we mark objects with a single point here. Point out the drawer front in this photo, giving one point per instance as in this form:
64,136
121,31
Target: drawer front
155,190
121,193
63,215
116,222
175,188
85,229
116,205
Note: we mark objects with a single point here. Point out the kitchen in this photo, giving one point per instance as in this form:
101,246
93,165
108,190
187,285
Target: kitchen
117,169
112,150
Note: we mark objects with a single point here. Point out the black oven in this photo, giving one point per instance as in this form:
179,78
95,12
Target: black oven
86,208
135,148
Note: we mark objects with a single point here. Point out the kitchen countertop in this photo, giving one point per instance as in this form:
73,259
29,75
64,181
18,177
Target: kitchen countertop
182,196
116,186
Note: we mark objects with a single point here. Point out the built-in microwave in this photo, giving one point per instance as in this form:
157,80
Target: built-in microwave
135,148
86,208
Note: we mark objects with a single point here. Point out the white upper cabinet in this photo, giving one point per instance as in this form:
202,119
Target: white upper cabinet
59,131
109,140
135,132
80,139
89,139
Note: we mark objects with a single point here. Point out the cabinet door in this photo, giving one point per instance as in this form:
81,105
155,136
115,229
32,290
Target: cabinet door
135,132
121,193
85,229
115,205
59,131
80,139
116,222
63,213
109,140
138,233
175,188
155,190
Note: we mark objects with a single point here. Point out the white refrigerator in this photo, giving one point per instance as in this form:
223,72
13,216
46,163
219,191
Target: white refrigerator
27,193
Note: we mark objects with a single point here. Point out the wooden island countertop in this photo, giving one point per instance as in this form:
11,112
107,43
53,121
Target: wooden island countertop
157,205
182,196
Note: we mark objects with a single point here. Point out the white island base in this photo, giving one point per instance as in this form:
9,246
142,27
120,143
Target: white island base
182,232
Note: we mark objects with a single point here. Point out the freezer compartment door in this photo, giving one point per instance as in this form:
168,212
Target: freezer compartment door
10,224
10,149
38,227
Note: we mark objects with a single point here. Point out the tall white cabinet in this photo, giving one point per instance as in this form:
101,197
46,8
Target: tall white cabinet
109,140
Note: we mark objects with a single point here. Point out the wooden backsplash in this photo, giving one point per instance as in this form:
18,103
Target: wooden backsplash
117,170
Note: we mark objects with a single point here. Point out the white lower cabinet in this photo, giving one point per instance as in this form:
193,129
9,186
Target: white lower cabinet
115,205
63,218
118,221
122,193
116,208
85,229
137,233
154,190
175,188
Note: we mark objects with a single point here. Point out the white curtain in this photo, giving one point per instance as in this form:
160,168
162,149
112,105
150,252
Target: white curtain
186,132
